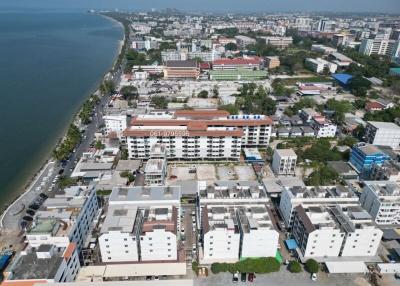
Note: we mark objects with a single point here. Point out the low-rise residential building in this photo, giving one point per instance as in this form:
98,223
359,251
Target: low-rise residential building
188,69
314,196
243,41
284,162
65,218
364,156
238,74
155,171
322,127
329,232
319,65
44,264
383,133
381,199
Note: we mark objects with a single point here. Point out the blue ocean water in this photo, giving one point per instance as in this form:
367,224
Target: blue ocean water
49,64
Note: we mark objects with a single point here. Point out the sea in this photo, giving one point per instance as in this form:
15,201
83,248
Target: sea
50,62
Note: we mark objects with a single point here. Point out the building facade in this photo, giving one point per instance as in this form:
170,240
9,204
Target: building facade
284,162
383,133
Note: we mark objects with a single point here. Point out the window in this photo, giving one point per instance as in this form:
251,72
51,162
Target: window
107,246
150,238
354,246
106,239
125,239
151,250
126,245
109,258
126,251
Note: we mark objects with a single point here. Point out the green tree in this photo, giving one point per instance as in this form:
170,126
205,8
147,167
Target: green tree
312,266
340,108
231,47
359,86
98,145
203,94
231,108
129,92
65,182
160,102
322,176
348,141
294,267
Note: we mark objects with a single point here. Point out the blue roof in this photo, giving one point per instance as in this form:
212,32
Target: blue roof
291,244
343,78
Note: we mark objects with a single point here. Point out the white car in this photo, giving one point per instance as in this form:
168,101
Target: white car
314,277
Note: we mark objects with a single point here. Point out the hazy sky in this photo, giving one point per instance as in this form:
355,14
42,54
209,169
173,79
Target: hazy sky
392,6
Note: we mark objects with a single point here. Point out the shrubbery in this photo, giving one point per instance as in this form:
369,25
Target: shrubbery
294,266
312,266
256,265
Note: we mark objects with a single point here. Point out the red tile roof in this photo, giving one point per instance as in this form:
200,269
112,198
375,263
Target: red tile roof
238,61
373,105
69,251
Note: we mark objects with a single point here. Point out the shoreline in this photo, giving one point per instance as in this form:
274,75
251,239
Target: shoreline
46,157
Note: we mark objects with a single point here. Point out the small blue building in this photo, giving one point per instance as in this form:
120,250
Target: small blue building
342,78
363,156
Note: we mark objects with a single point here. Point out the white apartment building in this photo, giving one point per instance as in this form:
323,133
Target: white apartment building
131,233
379,47
381,199
319,65
221,236
324,232
284,162
243,41
196,134
322,127
383,133
118,237
65,218
115,123
45,264
314,196
258,235
234,232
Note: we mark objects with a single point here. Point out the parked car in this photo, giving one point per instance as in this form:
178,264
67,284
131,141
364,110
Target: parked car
251,277
314,277
235,277
243,277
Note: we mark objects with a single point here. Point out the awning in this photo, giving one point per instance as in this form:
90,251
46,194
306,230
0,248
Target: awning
291,244
346,267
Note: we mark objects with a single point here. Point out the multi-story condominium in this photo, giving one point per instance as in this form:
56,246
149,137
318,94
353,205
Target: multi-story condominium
115,123
385,47
65,218
197,134
207,56
243,41
251,63
181,69
322,127
258,235
383,133
278,42
381,199
44,264
155,170
364,156
319,65
272,62
173,55
314,196
131,233
284,162
234,232
327,232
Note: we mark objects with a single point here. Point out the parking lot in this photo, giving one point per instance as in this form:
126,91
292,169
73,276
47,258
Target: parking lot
285,278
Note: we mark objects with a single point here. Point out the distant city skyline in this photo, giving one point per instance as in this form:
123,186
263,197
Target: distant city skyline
382,6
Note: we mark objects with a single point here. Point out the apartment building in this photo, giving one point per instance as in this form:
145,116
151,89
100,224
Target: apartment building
322,127
365,156
65,218
284,162
319,65
196,134
181,69
44,264
385,47
324,232
383,133
278,42
115,123
131,233
234,232
243,41
272,62
314,196
251,63
155,169
381,199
